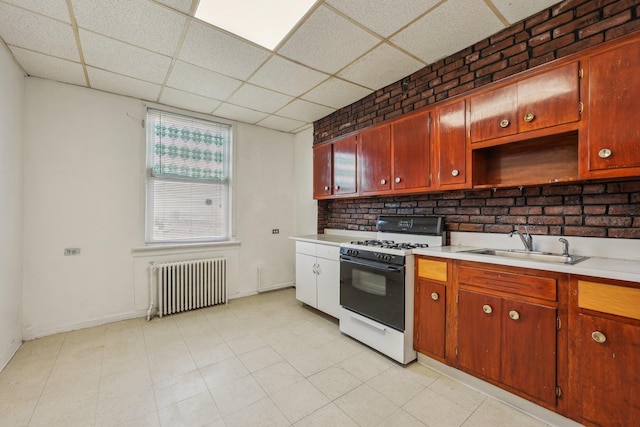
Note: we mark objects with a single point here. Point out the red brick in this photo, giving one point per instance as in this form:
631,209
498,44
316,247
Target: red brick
605,24
581,45
552,23
576,24
623,29
598,199
478,228
554,45
608,221
490,69
497,47
624,233
509,71
624,210
624,187
546,220
507,32
573,220
617,7
485,61
537,19
585,231
567,5
539,39
461,89
526,210
534,62
512,219
563,210
591,6
498,228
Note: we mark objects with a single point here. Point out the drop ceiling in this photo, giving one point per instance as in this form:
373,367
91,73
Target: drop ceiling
155,50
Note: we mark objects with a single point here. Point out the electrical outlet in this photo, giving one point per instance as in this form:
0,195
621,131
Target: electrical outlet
71,251
275,231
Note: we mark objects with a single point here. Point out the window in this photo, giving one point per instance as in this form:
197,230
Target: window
188,170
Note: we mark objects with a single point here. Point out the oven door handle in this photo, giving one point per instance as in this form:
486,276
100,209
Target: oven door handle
373,264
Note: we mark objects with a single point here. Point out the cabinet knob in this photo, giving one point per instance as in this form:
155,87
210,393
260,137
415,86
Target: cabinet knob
598,337
504,123
514,315
487,309
398,180
327,188
605,153
337,187
383,181
529,117
455,172
434,296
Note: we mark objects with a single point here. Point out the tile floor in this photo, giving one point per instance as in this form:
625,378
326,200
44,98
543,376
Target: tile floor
264,360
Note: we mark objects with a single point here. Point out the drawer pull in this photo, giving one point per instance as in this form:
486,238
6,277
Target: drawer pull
434,296
504,123
598,337
337,187
529,117
398,180
487,309
327,188
383,181
455,172
605,153
514,315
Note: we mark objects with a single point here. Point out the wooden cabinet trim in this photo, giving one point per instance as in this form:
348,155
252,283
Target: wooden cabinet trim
431,269
617,300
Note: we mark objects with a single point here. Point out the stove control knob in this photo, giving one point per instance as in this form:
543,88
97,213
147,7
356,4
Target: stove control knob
387,258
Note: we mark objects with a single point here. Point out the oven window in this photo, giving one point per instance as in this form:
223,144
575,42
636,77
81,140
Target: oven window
371,283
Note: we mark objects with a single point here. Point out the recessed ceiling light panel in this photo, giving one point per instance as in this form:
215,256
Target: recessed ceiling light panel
263,22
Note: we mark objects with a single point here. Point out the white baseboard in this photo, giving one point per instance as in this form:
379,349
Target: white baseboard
6,356
277,286
33,333
504,396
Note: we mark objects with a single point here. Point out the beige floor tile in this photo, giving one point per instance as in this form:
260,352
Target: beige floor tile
366,365
299,400
260,358
84,383
421,373
14,412
246,344
130,404
204,356
401,418
261,413
435,410
334,382
64,410
150,419
237,394
395,385
328,415
197,410
310,362
224,372
458,393
497,414
166,368
276,377
175,389
341,349
366,406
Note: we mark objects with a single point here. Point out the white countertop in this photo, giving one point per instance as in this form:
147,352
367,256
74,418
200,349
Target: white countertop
607,268
326,239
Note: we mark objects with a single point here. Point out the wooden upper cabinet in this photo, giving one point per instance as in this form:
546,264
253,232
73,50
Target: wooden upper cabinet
322,171
411,152
547,99
375,159
493,113
449,131
344,166
613,135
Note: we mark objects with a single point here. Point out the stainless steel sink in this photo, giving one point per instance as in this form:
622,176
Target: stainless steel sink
529,255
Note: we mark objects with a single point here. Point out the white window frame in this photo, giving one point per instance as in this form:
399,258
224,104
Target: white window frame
152,178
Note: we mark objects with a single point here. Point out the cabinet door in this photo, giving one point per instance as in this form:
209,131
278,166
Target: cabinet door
306,279
375,159
322,171
430,318
494,113
411,152
328,286
529,349
609,374
549,99
451,130
479,333
614,90
344,166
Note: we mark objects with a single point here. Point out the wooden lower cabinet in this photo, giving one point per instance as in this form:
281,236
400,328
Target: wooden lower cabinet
430,310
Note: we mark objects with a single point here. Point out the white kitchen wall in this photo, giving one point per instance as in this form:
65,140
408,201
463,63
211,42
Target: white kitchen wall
11,205
306,207
84,188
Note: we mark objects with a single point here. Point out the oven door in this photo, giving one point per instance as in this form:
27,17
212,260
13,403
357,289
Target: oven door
374,290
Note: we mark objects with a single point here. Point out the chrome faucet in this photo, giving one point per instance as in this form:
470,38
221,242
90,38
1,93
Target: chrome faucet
565,246
527,240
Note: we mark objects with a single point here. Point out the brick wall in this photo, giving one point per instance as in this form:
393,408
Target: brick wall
596,210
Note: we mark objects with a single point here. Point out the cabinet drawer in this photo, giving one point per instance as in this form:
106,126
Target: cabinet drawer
306,248
329,252
514,283
611,299
434,270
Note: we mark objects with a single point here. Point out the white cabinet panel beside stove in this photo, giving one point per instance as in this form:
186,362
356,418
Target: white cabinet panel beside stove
318,276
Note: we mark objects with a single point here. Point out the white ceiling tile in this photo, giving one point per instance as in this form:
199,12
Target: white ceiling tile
304,111
56,9
35,32
183,6
336,93
383,16
284,76
115,83
327,41
260,99
112,55
141,23
201,81
213,49
241,114
281,123
515,11
380,67
39,65
453,26
189,101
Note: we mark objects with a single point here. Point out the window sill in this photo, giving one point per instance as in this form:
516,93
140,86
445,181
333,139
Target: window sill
183,248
